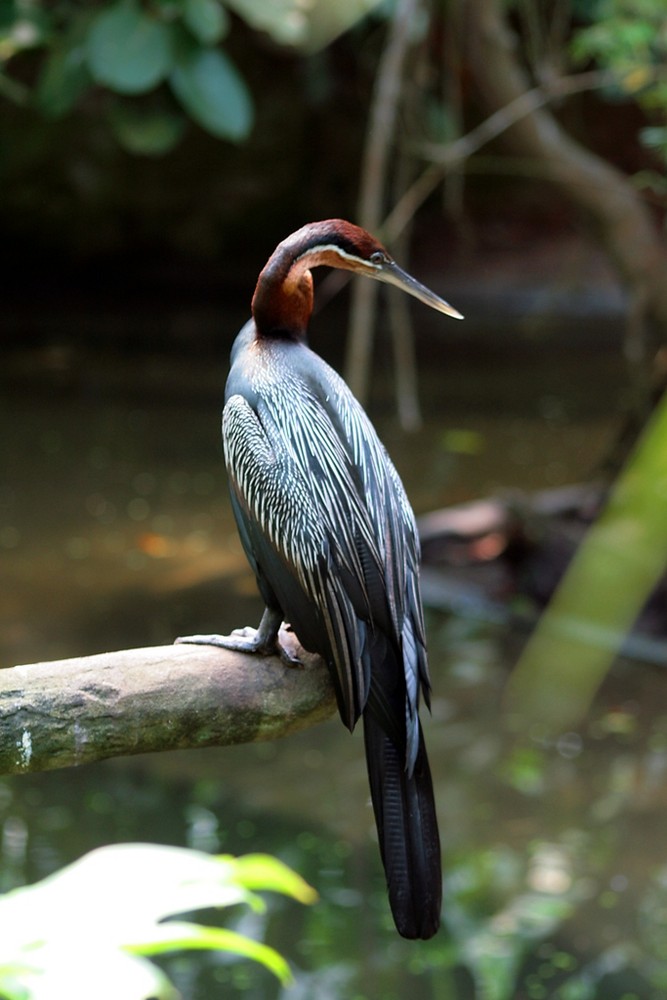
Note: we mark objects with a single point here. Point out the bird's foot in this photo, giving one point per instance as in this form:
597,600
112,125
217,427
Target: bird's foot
245,640
288,658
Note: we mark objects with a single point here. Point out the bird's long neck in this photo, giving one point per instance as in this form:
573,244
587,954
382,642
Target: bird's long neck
283,299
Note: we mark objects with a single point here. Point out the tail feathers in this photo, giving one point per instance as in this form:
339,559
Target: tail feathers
408,832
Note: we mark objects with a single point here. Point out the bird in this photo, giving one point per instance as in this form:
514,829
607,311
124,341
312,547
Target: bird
329,532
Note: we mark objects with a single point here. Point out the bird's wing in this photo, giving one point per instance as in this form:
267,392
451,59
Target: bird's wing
398,542
390,513
307,532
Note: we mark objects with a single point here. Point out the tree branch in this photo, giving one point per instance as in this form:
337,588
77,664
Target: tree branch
381,128
602,193
446,158
89,708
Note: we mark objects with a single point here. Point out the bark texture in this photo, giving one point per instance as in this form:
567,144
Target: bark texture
611,204
134,701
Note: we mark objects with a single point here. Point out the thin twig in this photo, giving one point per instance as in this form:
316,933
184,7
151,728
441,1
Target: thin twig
446,158
373,187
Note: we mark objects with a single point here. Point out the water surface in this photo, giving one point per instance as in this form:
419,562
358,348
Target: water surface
116,532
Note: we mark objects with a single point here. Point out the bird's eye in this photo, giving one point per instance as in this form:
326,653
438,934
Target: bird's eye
378,258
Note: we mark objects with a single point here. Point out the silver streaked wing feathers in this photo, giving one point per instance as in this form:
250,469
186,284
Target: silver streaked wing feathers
304,526
329,502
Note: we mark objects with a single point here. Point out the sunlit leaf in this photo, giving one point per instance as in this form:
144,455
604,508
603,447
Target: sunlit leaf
128,50
81,932
71,971
261,871
180,936
308,27
196,880
211,90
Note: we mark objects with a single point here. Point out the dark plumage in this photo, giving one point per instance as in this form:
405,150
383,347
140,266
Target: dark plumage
329,532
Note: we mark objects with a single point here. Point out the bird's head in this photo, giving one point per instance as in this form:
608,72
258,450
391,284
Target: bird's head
285,285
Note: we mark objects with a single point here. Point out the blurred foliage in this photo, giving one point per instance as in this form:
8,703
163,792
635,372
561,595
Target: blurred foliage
175,52
118,114
305,26
128,50
630,38
546,894
612,575
509,914
83,931
170,50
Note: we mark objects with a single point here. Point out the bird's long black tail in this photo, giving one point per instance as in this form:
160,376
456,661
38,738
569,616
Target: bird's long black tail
404,809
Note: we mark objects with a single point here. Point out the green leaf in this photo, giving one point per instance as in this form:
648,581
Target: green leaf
206,19
146,131
210,89
127,50
261,871
63,79
79,970
179,936
116,900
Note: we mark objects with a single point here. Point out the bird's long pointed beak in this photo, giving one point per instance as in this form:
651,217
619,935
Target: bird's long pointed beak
394,275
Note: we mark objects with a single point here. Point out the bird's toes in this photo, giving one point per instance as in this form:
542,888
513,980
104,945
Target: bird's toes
245,632
288,658
200,640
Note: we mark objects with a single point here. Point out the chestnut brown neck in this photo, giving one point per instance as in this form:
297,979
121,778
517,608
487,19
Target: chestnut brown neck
283,299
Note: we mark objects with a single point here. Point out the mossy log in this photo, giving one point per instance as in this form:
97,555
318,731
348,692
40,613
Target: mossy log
89,708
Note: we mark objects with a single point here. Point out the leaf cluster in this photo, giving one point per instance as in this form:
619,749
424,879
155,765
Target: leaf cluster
89,929
630,38
158,63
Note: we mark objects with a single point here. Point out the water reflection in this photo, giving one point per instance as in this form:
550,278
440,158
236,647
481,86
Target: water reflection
116,532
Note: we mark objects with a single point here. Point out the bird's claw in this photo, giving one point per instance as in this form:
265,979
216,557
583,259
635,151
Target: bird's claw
202,640
244,640
287,658
246,632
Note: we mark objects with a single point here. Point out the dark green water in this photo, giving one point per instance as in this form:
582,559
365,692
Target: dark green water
115,532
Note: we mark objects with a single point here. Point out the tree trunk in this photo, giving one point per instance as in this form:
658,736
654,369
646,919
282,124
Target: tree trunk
381,128
605,195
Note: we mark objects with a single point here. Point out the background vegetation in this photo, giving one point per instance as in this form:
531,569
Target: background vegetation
151,154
